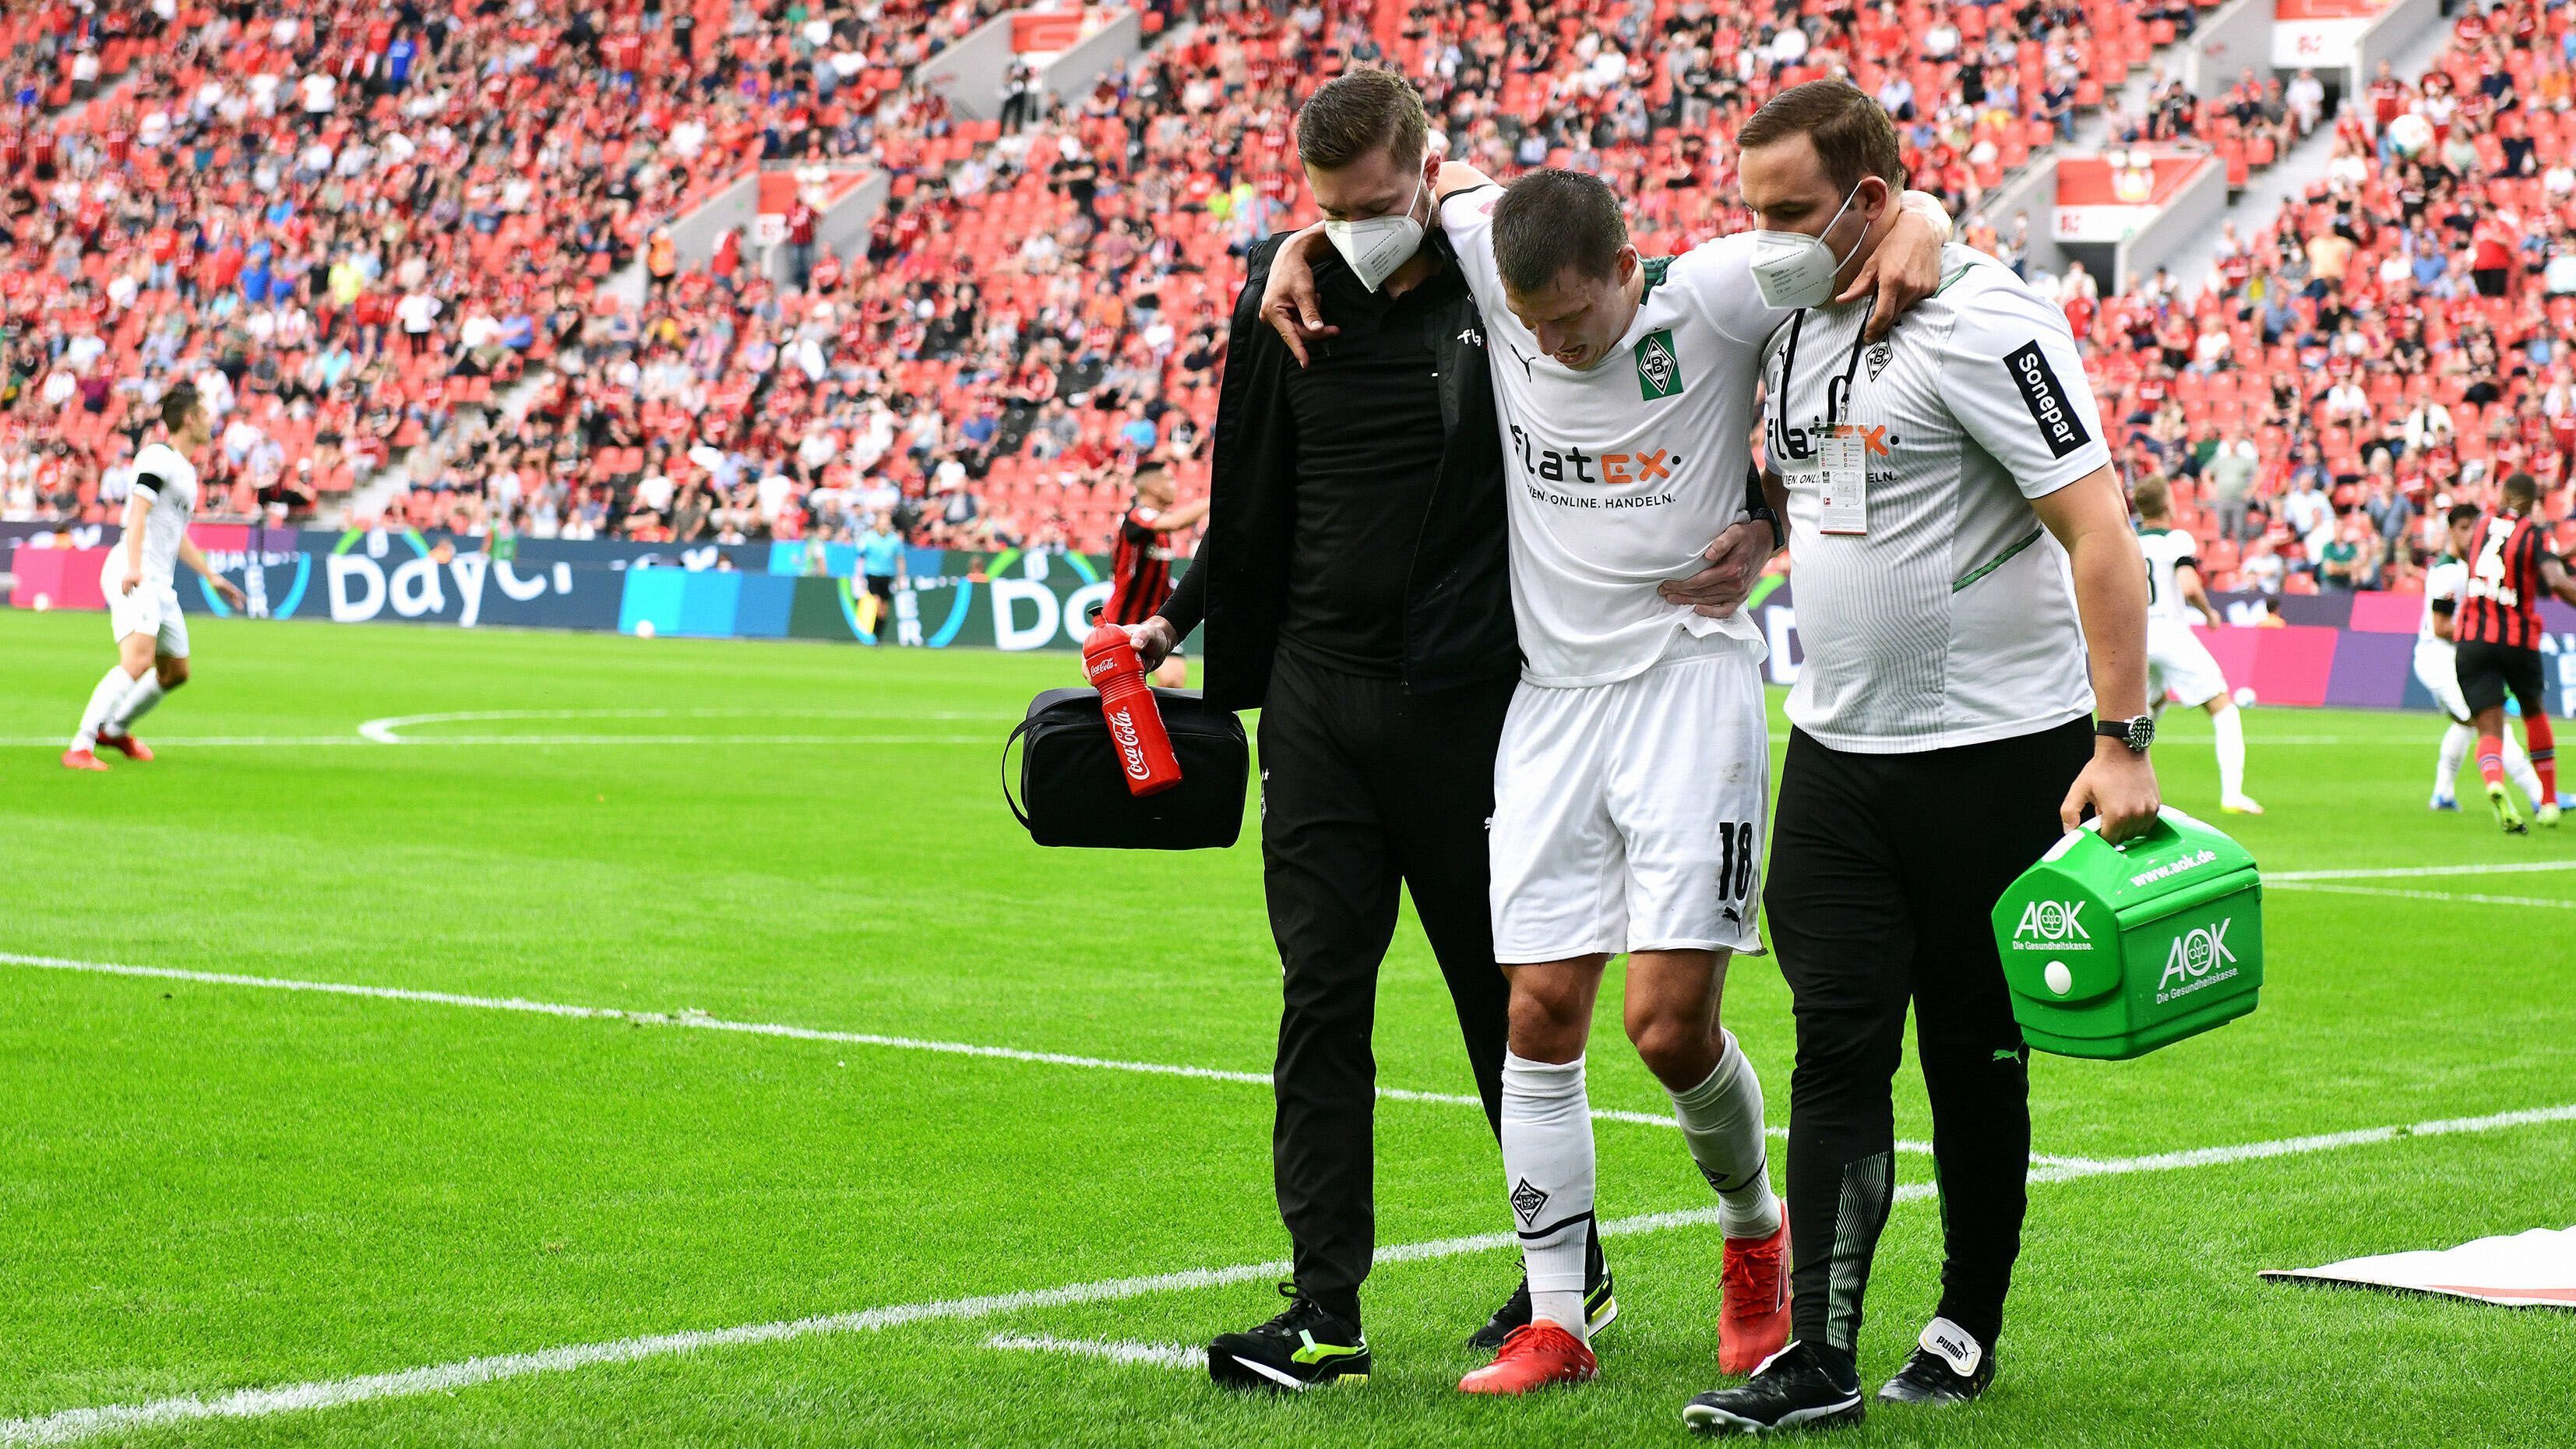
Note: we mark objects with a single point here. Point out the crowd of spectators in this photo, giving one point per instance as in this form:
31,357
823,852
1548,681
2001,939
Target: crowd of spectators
361,228
2393,342
349,222
1044,302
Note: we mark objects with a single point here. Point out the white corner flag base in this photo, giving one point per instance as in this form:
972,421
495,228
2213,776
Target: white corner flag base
2536,1269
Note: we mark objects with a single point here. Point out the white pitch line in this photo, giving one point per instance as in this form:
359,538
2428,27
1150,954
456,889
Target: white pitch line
387,729
2469,897
702,1022
2411,872
1160,1355
73,1425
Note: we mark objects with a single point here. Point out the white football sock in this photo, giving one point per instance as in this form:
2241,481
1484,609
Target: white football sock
102,703
137,703
1548,1164
2455,753
1722,1121
2230,729
2518,765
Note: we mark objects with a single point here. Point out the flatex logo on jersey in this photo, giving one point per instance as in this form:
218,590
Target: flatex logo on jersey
1645,467
1659,368
2053,926
2046,397
2195,961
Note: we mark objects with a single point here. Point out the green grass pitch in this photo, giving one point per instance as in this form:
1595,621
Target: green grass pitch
207,1188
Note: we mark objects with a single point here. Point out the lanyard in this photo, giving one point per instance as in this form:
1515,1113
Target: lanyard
1837,389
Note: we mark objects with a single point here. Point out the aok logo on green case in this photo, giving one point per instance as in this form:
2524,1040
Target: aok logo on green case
2195,955
1659,368
2052,926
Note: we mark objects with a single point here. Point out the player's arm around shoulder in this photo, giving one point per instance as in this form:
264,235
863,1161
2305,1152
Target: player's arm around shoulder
1906,268
1290,302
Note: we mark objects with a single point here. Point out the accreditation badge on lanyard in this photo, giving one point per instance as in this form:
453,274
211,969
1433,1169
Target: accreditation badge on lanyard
1842,481
1841,450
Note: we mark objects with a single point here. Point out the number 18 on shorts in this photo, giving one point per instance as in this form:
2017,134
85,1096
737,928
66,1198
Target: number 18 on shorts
1628,816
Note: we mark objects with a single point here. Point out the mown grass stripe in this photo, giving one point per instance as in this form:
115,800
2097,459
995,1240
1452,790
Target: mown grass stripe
74,1425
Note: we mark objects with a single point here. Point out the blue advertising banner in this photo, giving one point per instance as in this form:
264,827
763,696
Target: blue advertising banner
2336,649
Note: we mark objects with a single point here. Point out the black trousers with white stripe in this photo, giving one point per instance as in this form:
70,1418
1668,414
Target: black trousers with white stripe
1883,871
1367,789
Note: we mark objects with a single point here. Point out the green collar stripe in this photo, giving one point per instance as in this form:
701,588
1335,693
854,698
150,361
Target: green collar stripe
1954,276
1999,560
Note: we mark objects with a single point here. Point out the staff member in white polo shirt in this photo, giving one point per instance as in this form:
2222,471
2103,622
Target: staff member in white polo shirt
1962,558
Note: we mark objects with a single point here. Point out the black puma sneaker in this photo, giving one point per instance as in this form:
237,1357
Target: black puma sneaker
1303,1347
1949,1366
1794,1388
1599,1304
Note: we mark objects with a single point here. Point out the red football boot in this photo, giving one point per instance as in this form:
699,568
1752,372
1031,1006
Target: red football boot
1753,1321
81,760
128,746
1533,1356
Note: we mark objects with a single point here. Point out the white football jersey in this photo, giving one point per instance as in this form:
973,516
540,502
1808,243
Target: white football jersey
2166,549
163,475
2448,579
1619,475
1949,617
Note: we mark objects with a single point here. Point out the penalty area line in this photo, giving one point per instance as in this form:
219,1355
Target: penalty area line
73,1425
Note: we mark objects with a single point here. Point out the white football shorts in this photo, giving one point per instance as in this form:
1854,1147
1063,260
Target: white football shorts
153,608
2178,662
1630,816
2437,667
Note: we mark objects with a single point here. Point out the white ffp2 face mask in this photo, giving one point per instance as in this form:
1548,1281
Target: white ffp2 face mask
1375,247
1795,270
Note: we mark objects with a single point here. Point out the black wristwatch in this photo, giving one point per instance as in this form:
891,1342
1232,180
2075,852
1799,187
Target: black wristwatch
2137,733
1765,514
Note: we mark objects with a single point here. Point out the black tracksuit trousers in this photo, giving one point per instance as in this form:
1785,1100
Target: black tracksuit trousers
1884,869
1366,786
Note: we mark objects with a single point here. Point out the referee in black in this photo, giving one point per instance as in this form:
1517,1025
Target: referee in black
1354,588
1968,589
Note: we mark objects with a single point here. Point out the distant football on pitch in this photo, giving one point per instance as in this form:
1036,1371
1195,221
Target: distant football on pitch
643,628
2245,696
44,602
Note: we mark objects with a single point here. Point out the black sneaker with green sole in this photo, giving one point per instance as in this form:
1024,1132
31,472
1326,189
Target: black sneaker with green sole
1304,1347
1600,1304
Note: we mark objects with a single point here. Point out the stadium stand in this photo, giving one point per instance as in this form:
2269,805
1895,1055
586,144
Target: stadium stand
2388,344
275,200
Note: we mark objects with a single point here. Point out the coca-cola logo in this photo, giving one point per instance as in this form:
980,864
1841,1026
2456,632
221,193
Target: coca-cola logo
1122,728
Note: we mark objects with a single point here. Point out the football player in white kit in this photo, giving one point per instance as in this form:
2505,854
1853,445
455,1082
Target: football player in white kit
142,606
2435,667
2177,662
1631,789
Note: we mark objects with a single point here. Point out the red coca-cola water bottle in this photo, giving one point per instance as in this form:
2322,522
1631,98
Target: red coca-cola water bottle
1135,721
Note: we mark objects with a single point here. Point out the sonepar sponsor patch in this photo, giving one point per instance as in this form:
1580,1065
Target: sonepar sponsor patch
2058,425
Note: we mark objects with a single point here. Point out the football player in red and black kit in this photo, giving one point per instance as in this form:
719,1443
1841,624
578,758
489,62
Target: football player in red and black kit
2498,630
1140,567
